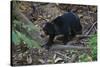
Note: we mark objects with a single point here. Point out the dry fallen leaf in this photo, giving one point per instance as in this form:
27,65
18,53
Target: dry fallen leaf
29,59
58,59
41,61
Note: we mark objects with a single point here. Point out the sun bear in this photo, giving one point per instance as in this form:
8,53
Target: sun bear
67,24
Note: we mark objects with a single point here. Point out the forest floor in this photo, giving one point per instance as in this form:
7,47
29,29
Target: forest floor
39,13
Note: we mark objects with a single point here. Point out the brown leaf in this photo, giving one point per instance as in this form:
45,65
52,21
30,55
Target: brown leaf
58,59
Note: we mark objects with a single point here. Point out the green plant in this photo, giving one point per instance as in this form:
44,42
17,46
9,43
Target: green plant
18,37
93,45
23,33
85,57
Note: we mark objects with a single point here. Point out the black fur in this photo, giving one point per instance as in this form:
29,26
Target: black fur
68,24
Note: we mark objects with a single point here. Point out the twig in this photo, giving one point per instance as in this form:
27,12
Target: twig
95,29
64,56
91,28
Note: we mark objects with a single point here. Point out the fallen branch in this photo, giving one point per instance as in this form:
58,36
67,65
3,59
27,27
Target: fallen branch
59,38
68,47
77,36
83,36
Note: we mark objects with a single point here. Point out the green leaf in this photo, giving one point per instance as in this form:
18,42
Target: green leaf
28,41
15,38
